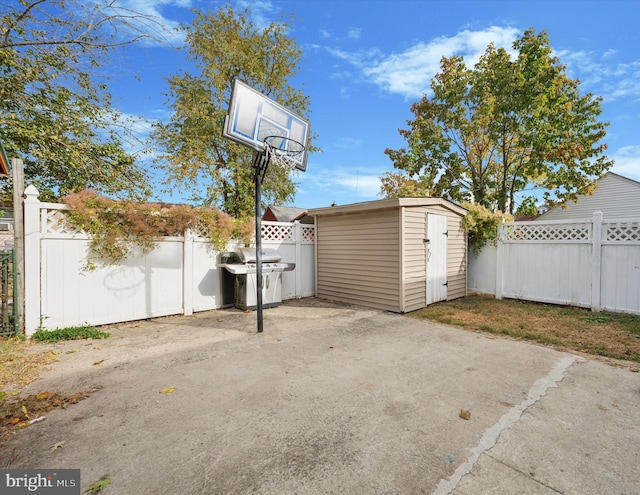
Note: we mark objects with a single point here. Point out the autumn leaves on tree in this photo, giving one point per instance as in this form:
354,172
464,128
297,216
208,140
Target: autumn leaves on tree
505,126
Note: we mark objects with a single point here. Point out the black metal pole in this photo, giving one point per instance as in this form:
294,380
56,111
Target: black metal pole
259,164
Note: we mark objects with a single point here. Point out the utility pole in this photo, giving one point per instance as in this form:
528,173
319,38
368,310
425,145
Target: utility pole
18,233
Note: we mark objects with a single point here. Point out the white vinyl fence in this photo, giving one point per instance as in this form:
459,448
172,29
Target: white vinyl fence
593,263
180,276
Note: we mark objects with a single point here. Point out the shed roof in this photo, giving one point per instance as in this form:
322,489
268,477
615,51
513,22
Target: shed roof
384,204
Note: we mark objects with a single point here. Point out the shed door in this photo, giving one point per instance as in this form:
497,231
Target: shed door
436,258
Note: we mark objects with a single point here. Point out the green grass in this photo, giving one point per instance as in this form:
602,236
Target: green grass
70,333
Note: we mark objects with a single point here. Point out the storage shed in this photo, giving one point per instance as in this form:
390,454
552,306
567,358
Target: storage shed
396,254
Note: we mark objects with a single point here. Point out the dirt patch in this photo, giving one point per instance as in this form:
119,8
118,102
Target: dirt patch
17,412
21,362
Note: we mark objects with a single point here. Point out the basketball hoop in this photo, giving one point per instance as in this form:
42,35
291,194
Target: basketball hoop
276,135
284,152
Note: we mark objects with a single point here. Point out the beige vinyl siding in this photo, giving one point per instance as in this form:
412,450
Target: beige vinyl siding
456,258
415,259
373,253
358,258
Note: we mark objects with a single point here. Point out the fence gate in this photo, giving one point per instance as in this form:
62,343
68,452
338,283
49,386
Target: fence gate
9,321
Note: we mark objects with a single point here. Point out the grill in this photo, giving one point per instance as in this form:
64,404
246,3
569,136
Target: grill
246,278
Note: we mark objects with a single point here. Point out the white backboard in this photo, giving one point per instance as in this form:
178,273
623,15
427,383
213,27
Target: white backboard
253,116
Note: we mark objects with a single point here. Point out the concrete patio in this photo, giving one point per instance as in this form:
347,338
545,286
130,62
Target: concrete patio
334,399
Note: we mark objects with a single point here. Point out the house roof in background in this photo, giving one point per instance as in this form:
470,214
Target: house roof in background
615,195
285,213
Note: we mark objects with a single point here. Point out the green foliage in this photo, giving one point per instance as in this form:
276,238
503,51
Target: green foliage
528,207
70,333
120,228
481,225
401,186
54,112
490,131
225,45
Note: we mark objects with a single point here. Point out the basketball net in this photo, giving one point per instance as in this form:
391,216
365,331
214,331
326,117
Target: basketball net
283,152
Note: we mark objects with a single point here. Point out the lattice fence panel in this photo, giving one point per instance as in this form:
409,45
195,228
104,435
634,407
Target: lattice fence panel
547,232
308,234
623,232
57,223
277,232
200,230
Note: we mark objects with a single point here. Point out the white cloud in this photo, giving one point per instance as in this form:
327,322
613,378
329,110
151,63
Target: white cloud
134,132
348,142
354,33
343,186
599,74
262,11
409,73
362,185
160,28
627,162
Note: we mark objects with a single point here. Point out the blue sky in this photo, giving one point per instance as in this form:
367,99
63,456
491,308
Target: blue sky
365,62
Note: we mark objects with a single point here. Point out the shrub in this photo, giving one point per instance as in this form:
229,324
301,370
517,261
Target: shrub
481,225
70,333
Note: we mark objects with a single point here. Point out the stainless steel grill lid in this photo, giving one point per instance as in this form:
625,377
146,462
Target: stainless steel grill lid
248,255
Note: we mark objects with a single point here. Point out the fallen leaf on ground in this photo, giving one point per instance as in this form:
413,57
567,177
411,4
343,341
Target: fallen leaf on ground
57,446
167,390
465,414
43,395
99,485
72,351
98,363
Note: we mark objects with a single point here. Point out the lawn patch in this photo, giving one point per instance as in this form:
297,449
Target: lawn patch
612,335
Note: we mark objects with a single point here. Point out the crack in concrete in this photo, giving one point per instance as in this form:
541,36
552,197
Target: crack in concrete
527,475
511,417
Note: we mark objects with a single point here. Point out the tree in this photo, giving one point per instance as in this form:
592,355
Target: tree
225,45
55,114
401,186
528,207
494,130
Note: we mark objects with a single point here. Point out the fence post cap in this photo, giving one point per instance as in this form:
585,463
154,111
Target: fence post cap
31,191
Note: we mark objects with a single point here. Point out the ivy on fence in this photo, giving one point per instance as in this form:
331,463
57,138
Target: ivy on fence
118,229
